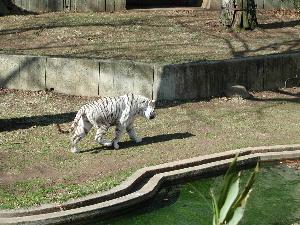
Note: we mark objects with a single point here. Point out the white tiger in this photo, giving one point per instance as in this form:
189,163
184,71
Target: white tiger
118,111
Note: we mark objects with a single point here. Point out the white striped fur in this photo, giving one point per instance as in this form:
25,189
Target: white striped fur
111,111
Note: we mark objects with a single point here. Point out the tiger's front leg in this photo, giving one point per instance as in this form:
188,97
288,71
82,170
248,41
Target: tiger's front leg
118,133
132,134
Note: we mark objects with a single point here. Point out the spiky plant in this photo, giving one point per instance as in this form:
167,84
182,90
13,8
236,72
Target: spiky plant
229,208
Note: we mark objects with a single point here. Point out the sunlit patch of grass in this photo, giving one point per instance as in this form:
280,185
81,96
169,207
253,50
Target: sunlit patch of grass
37,191
161,36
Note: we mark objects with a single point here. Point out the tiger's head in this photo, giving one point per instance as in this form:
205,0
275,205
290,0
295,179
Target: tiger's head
148,109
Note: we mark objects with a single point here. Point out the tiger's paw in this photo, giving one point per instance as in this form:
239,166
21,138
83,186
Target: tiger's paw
138,140
116,146
107,144
74,150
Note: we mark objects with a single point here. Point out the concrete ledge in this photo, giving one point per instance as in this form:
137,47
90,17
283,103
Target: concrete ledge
143,185
198,80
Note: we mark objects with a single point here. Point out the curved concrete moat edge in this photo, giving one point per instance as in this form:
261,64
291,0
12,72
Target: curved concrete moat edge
156,176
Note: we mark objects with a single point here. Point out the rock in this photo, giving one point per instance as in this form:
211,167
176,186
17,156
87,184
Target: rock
237,91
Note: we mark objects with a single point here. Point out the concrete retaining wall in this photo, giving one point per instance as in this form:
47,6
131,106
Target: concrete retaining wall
208,79
72,76
22,72
119,77
90,77
86,77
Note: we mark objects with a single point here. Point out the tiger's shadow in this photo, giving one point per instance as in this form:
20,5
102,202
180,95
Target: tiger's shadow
146,141
26,122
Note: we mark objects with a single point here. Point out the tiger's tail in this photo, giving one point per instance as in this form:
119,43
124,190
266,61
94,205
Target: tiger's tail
79,114
74,123
61,130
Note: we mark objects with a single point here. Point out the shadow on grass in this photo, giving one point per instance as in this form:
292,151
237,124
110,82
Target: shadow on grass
146,141
284,92
278,25
41,120
62,24
293,97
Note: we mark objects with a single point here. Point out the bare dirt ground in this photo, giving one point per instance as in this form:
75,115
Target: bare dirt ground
165,35
37,167
295,164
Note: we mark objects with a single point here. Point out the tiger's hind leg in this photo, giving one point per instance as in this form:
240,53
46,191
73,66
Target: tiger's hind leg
101,130
81,130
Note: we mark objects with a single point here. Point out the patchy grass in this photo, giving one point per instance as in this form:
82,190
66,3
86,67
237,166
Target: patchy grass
36,166
169,36
35,191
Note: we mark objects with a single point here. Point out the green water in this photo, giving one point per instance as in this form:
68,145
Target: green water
275,200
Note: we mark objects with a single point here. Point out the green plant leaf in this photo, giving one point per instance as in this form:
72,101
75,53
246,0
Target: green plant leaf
214,220
230,207
244,194
239,211
232,195
229,178
215,209
237,216
248,186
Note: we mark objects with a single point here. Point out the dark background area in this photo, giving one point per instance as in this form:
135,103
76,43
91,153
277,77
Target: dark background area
131,4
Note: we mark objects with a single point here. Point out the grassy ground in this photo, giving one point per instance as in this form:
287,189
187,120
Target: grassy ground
150,36
37,167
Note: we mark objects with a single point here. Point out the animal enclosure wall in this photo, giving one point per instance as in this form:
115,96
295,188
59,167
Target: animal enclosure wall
187,81
71,5
119,5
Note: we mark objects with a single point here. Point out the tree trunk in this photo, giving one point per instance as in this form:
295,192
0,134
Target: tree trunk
239,14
